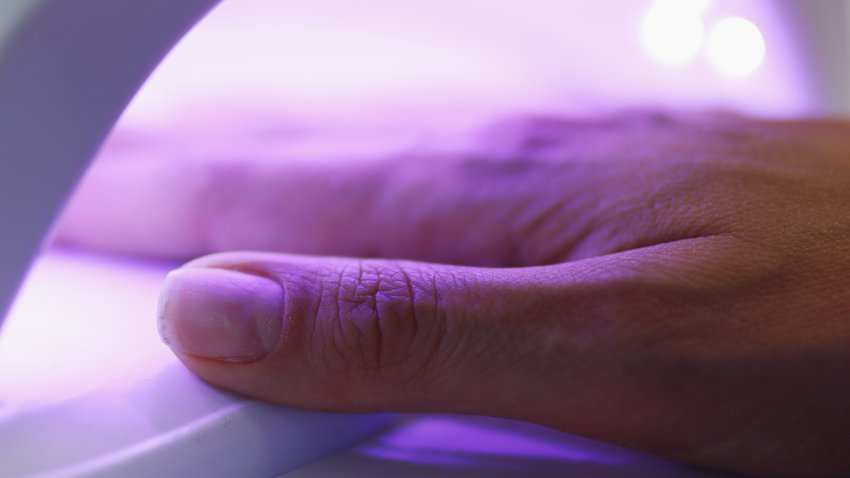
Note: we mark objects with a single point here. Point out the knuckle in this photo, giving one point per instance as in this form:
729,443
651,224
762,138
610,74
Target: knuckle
384,318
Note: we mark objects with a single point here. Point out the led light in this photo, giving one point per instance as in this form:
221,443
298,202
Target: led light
735,47
672,31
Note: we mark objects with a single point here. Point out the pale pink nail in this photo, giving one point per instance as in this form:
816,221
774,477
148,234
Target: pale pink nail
220,314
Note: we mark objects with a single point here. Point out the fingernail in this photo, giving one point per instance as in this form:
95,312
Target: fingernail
220,314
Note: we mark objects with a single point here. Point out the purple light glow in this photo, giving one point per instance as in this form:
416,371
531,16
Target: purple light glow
378,64
450,441
66,333
477,447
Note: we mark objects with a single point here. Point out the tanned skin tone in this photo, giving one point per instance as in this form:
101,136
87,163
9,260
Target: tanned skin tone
678,284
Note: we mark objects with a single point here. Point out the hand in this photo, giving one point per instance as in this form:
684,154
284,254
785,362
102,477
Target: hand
679,285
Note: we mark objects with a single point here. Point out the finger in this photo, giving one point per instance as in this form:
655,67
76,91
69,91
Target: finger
558,345
494,208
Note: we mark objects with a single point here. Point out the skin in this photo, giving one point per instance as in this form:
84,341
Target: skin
678,284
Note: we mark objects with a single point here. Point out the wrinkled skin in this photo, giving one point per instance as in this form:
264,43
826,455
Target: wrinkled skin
677,284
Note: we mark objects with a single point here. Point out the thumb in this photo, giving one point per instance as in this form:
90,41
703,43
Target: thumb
350,335
378,335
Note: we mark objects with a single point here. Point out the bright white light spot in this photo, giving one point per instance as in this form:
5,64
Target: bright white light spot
672,31
735,47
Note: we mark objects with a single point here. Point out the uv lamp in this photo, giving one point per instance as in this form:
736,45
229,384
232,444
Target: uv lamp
68,68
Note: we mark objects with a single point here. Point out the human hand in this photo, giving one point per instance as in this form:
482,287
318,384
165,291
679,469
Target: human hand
680,285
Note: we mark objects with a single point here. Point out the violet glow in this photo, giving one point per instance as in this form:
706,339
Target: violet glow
378,64
439,440
477,447
68,328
